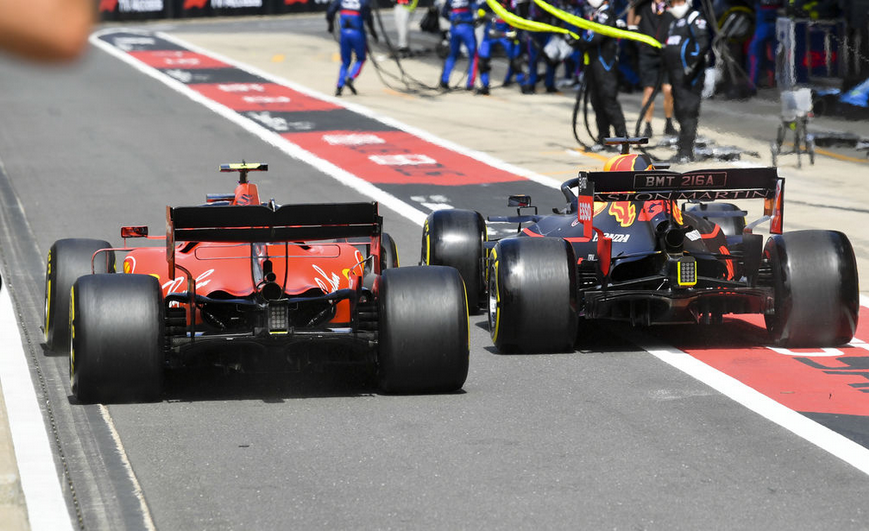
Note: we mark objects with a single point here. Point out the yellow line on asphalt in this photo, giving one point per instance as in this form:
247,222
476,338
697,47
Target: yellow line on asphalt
397,93
598,156
819,151
840,157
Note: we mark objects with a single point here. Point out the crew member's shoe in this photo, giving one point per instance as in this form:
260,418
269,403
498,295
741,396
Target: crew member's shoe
669,129
483,91
338,90
647,132
349,83
527,89
443,85
551,90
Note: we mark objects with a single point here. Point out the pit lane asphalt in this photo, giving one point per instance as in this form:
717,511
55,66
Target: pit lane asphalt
605,437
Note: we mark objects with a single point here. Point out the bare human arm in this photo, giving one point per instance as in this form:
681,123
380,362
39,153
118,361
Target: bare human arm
633,17
46,30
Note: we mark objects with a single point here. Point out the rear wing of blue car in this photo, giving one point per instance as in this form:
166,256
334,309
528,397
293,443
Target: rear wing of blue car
261,224
726,184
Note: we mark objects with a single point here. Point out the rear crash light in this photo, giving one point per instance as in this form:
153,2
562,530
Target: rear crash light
686,272
279,320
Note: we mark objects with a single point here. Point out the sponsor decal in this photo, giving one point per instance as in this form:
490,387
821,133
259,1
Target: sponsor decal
179,284
624,212
128,43
328,282
402,160
198,4
689,180
279,123
130,6
678,195
353,139
654,208
235,4
615,237
398,158
177,59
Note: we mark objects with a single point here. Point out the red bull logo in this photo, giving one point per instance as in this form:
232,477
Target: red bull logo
624,211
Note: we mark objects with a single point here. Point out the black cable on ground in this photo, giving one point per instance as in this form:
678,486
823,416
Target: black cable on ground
411,84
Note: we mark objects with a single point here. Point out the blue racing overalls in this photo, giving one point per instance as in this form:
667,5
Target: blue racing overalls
460,13
762,47
352,17
499,33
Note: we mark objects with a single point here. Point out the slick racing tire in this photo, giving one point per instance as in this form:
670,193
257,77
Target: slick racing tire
423,340
532,295
814,276
117,339
456,238
67,260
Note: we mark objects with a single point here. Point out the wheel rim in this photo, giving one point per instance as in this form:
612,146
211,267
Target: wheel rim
493,300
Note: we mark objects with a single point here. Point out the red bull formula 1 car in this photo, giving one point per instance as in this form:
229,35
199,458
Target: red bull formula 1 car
623,248
245,284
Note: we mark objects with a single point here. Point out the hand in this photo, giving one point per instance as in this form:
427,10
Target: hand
375,37
331,26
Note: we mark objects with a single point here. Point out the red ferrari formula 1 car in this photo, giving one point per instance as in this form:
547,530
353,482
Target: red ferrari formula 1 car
624,249
240,283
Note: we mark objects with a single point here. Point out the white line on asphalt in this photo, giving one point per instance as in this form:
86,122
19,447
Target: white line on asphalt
799,424
128,468
46,507
821,436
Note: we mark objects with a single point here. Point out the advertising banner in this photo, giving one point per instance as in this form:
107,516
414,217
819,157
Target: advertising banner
120,10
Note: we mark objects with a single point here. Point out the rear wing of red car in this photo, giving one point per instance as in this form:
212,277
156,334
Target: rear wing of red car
261,224
703,185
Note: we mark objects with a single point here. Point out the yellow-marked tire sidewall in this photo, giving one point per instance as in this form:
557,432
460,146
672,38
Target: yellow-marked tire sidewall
494,297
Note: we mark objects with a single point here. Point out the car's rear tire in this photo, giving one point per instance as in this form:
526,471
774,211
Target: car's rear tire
423,339
117,339
456,238
814,276
532,295
67,260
